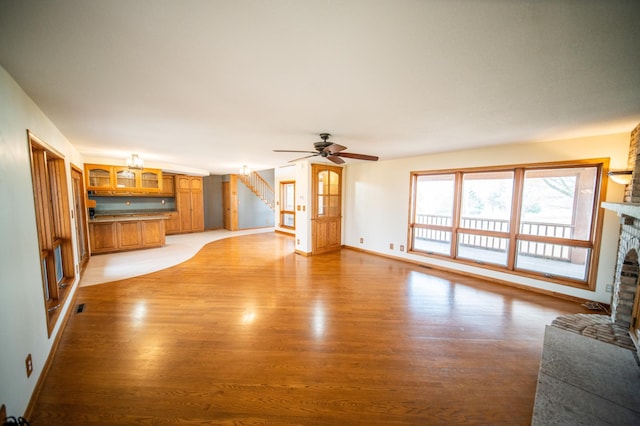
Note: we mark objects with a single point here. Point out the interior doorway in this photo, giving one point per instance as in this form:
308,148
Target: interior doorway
230,203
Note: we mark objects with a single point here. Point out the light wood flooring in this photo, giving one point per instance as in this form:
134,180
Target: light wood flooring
246,332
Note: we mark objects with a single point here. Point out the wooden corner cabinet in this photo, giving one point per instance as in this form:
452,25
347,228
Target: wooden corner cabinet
190,203
121,180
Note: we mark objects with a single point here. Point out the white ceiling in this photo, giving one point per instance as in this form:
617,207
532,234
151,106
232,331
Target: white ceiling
215,84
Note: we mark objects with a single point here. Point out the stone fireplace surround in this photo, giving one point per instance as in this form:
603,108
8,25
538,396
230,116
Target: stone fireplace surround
614,328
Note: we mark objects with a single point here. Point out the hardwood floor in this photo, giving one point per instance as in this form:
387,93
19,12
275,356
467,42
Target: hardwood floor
247,332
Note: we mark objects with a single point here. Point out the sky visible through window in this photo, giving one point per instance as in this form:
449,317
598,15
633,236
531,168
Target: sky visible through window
547,199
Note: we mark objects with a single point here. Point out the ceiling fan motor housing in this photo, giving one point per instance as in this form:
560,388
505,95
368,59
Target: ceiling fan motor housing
320,146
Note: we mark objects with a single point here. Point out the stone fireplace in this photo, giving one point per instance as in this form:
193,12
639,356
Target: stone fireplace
582,381
618,327
627,269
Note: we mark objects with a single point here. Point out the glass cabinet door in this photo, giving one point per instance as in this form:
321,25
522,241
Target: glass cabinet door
99,177
150,180
125,178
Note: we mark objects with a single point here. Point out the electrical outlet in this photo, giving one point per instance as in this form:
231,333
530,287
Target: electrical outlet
29,364
390,246
401,248
609,288
361,240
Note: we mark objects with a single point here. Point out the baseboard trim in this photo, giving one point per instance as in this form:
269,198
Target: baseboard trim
54,348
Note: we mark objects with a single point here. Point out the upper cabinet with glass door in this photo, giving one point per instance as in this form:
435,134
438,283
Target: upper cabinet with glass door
99,177
126,179
150,180
121,180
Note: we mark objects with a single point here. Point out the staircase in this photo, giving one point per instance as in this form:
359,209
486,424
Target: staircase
260,187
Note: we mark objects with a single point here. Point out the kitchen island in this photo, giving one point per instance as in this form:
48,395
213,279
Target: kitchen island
111,233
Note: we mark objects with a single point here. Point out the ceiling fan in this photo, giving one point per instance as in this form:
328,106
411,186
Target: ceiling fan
331,151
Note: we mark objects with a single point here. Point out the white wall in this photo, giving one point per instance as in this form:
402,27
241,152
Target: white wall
377,201
300,172
23,326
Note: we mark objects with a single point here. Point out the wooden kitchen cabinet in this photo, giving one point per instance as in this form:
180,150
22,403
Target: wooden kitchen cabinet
151,180
168,186
190,203
99,177
152,233
126,180
120,180
172,224
103,237
144,181
126,233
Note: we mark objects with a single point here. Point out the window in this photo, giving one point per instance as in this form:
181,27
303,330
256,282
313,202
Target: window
534,220
433,219
53,221
287,205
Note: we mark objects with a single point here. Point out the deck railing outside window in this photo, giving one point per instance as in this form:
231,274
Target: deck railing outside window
531,248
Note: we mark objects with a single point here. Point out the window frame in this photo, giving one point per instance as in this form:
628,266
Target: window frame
514,236
53,224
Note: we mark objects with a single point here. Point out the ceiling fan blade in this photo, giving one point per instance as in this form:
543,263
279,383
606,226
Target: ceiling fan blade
302,158
288,150
334,147
357,156
335,158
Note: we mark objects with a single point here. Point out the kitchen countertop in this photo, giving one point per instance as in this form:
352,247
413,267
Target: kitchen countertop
129,217
132,212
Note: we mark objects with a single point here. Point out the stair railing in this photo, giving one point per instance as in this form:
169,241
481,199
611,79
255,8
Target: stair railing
260,187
